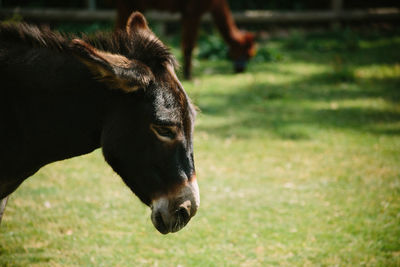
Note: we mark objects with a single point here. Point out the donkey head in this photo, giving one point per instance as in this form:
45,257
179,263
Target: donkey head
241,52
148,130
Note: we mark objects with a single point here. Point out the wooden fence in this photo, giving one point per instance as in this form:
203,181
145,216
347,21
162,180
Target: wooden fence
335,14
253,17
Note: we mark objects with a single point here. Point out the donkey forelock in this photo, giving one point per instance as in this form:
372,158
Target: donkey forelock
139,45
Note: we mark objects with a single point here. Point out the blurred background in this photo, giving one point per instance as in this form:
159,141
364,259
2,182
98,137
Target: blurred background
298,157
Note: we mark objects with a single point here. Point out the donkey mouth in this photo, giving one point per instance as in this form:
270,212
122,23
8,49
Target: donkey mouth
159,224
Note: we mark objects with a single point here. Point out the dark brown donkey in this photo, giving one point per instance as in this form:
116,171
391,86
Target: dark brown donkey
241,44
63,97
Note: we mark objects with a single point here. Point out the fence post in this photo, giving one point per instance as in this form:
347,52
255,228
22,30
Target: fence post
91,5
336,6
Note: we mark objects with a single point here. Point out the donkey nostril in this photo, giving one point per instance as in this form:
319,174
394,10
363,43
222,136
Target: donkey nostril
184,214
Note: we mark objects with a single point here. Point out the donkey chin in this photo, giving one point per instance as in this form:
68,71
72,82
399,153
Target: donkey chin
171,212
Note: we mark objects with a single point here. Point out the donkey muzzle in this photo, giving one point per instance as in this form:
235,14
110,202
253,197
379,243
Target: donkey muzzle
172,212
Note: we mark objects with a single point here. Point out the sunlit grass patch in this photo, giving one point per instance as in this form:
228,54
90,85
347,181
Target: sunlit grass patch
382,71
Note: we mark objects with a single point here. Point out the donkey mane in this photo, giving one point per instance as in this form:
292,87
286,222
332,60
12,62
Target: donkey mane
33,36
138,45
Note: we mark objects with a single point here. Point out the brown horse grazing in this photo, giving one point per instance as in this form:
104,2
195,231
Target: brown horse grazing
63,97
241,44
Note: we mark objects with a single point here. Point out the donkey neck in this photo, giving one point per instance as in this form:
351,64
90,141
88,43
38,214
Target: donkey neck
225,23
57,105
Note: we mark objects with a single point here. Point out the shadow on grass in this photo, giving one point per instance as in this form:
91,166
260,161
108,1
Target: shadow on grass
357,48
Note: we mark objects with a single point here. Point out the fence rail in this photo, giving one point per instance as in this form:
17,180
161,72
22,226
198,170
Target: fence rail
87,15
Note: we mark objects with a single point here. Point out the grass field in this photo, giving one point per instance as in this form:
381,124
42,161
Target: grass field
298,162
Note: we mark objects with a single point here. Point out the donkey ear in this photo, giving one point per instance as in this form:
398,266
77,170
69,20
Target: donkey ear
117,70
136,22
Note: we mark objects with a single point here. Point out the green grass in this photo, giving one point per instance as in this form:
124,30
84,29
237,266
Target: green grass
298,163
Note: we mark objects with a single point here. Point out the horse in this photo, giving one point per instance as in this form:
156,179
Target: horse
241,44
63,96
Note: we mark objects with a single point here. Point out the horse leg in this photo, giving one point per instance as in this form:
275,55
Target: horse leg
3,204
190,28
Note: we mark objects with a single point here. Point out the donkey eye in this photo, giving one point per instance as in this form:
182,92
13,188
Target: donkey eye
167,132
